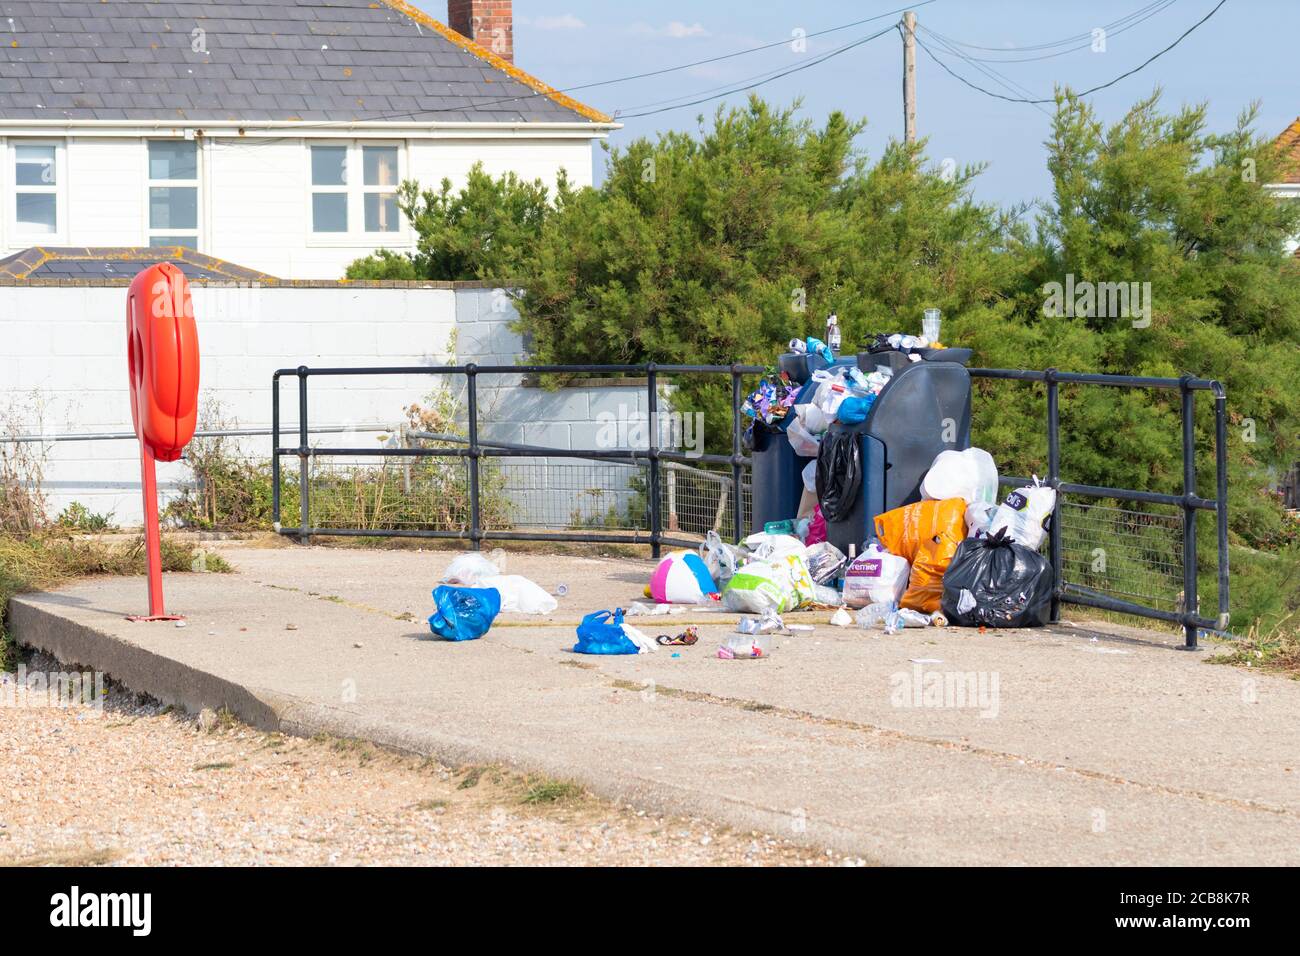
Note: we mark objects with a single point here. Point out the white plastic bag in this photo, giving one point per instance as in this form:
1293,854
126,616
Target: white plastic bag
470,568
812,418
643,644
810,477
876,577
758,587
763,546
970,475
1024,513
978,516
520,595
804,442
720,558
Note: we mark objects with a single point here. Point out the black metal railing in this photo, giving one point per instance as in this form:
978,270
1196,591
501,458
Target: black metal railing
475,451
1189,502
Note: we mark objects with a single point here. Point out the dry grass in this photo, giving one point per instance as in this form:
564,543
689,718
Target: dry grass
47,559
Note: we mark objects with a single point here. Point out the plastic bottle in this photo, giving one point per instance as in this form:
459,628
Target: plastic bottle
833,333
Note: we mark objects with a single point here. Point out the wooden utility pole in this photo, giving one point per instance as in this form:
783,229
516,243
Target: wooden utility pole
909,76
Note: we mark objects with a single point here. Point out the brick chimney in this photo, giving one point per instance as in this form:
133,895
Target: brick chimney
489,23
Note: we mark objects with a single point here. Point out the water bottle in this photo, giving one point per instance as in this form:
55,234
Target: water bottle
833,333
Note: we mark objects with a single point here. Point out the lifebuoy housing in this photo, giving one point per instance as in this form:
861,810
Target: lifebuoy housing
163,360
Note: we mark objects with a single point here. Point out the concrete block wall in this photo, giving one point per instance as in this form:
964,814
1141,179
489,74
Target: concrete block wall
64,371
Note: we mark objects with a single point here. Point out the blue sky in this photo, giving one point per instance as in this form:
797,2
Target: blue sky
1245,52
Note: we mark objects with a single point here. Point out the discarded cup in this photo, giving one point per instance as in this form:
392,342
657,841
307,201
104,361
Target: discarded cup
561,590
745,646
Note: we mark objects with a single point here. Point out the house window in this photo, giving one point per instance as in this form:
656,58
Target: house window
36,189
174,193
329,189
380,188
345,204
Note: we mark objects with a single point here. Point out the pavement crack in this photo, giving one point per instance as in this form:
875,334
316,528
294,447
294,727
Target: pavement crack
1037,763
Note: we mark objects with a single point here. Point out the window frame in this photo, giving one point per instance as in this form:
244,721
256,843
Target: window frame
196,184
15,237
356,190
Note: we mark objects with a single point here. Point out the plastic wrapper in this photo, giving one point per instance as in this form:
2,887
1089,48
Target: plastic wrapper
825,562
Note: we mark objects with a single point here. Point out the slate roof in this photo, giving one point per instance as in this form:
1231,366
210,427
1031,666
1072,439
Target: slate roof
43,262
311,60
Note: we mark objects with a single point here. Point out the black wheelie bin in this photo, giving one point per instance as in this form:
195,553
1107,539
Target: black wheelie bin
925,409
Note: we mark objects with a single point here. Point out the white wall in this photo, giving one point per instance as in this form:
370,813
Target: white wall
255,195
67,374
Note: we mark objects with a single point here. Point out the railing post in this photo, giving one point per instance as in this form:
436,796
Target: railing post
1054,481
1221,496
475,512
275,452
1190,601
652,398
304,453
737,491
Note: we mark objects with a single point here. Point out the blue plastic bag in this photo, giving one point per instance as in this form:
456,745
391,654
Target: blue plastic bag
601,632
854,409
463,614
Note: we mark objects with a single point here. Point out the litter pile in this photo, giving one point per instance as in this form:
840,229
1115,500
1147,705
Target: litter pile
956,556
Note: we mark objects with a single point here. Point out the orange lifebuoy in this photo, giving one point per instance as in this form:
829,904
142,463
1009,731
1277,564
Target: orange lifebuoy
163,360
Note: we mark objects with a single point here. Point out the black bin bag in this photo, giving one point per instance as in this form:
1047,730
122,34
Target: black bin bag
997,583
839,473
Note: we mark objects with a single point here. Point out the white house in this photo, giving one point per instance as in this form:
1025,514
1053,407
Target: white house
269,133
1288,143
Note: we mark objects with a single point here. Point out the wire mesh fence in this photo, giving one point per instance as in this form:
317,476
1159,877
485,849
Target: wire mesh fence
433,494
1129,554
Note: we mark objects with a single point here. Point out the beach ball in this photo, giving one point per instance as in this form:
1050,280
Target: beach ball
682,578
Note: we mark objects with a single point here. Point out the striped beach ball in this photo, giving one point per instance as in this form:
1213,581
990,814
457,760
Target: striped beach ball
682,578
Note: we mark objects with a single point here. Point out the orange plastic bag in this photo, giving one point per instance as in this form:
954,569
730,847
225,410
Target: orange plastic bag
927,534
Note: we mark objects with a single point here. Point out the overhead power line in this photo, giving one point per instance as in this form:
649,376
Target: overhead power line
755,83
1111,30
1014,99
1064,40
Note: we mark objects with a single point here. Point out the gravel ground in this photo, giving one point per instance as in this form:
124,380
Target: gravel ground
137,784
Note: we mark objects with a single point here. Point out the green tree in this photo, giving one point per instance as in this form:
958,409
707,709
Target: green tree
484,230
1157,199
722,246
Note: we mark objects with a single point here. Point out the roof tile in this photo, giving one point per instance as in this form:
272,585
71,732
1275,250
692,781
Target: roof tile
201,61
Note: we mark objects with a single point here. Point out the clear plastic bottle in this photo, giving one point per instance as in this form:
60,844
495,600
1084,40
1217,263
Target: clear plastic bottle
833,333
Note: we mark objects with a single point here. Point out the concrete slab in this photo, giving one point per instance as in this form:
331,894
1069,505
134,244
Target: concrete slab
1075,746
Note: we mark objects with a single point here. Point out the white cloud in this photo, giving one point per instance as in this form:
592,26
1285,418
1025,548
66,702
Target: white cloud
566,21
676,30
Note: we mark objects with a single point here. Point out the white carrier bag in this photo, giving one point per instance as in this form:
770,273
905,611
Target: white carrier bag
1024,514
875,577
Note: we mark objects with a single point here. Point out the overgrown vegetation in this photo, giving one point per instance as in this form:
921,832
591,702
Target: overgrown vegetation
51,556
233,492
37,553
